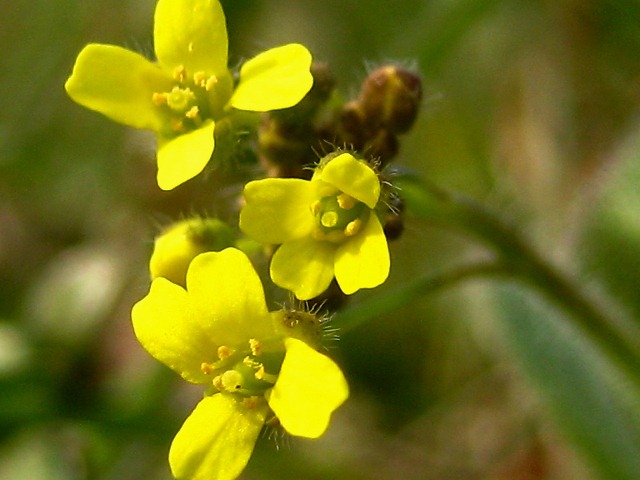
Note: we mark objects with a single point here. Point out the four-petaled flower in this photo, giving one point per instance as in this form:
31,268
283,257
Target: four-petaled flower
327,227
189,89
256,364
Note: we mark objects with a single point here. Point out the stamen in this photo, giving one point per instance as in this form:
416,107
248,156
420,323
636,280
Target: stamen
251,402
180,73
190,47
346,202
207,368
211,82
200,78
192,113
316,207
256,347
159,98
353,227
261,374
224,352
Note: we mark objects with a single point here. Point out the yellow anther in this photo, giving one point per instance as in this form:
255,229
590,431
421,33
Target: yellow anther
346,202
353,227
256,347
217,382
261,374
192,113
180,73
177,126
159,98
251,402
210,83
224,352
329,219
190,47
207,368
200,78
316,207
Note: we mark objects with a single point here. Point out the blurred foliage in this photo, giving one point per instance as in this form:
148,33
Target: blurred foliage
531,107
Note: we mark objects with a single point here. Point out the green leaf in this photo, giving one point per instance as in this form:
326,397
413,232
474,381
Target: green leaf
597,409
611,237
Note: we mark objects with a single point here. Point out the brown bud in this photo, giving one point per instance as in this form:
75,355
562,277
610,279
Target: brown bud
390,98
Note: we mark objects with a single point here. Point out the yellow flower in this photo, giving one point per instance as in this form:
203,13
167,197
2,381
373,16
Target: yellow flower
219,333
327,226
184,94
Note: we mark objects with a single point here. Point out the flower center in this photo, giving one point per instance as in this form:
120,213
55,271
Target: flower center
339,217
247,371
194,98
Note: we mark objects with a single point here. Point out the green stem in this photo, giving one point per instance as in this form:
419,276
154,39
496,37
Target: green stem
620,340
395,298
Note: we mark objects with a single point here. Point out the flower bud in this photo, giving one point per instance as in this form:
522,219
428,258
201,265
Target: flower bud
390,98
182,242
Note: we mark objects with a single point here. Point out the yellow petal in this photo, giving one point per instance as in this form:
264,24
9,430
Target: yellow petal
275,79
216,440
166,329
363,260
119,84
185,156
191,33
353,177
304,266
227,297
277,210
309,388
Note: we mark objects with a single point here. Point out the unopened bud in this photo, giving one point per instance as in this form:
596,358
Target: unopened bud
180,243
390,98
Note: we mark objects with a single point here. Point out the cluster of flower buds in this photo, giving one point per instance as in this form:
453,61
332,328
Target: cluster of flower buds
386,106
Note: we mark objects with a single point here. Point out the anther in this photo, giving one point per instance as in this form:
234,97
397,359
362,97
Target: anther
316,207
224,352
207,368
353,227
190,47
346,202
251,402
256,347
180,73
210,83
193,112
159,98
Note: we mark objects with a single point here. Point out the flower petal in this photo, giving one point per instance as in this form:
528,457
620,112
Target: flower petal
275,79
353,177
309,388
166,329
304,266
191,33
183,157
363,261
118,83
277,210
227,297
216,440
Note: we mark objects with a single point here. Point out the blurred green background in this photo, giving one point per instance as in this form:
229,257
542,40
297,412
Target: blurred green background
529,106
